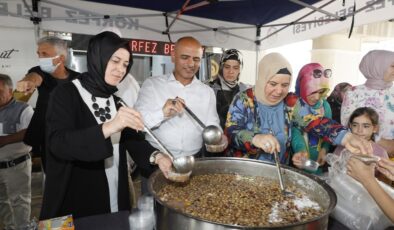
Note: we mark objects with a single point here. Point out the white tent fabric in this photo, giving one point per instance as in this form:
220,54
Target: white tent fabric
88,18
370,12
17,43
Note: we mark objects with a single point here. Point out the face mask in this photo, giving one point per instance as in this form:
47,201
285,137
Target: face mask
47,66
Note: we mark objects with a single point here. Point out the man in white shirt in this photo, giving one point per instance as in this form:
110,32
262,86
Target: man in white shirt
161,100
15,162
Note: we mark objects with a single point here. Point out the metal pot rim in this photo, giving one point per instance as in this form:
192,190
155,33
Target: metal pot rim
326,187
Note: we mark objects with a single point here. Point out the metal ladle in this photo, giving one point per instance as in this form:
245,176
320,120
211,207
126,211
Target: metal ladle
310,165
183,164
211,134
282,186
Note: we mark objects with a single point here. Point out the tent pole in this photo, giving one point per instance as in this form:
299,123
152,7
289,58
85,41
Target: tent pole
35,19
180,11
299,19
315,9
257,42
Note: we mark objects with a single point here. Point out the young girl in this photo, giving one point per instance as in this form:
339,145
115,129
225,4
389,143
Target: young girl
364,122
311,109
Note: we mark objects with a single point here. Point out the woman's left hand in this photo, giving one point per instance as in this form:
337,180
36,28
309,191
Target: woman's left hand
299,158
321,158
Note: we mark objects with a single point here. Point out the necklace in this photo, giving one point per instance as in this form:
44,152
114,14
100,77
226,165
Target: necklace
102,113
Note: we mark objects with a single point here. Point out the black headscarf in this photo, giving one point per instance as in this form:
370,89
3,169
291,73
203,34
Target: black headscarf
101,47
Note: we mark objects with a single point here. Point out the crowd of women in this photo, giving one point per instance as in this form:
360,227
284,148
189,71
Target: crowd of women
266,118
89,133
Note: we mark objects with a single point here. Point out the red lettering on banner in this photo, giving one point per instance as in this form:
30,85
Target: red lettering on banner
140,45
151,47
168,48
154,47
172,48
147,46
133,45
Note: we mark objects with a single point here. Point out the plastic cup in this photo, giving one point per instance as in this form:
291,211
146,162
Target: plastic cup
145,203
142,220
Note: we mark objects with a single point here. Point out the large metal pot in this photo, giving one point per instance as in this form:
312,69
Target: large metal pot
168,218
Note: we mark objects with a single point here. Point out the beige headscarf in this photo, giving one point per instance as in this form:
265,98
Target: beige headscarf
268,68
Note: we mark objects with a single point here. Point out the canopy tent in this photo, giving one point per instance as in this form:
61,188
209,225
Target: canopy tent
242,24
220,23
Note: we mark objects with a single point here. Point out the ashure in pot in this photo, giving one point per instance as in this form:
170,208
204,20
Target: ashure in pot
169,216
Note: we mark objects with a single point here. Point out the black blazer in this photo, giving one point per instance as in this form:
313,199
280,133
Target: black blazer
35,133
76,182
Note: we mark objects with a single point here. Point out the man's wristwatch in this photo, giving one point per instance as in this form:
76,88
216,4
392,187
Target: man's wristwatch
152,158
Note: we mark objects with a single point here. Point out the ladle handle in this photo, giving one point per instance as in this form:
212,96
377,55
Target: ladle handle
282,187
149,131
194,116
162,147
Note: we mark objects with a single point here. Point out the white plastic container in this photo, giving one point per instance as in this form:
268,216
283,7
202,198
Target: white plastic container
145,203
144,217
142,220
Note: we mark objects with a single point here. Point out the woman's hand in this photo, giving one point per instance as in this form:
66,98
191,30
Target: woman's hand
321,158
267,142
356,144
386,166
299,158
164,163
360,171
173,107
125,117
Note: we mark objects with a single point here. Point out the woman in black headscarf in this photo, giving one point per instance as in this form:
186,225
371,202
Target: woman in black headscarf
88,134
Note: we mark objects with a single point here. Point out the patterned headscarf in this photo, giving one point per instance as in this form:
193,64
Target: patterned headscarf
308,82
269,66
231,54
373,65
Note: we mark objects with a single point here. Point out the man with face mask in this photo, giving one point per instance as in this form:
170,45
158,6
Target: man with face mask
52,54
227,84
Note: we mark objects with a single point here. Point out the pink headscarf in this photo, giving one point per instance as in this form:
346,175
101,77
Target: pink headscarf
306,83
373,65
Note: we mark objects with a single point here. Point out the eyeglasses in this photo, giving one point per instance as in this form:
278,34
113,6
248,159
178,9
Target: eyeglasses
317,73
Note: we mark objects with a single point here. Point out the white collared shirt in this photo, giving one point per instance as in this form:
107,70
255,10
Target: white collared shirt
180,134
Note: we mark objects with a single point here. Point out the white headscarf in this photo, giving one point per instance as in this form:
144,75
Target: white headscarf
269,66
